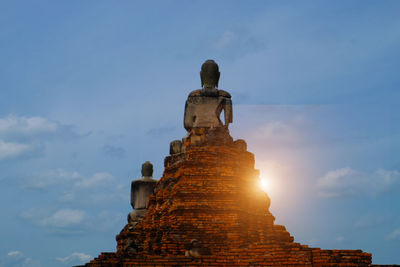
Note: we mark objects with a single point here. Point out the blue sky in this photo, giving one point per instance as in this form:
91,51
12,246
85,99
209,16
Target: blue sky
92,89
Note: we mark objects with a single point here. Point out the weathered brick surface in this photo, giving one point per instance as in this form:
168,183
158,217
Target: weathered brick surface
211,194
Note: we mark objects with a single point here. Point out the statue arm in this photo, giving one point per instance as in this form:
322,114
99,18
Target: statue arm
132,195
188,117
228,111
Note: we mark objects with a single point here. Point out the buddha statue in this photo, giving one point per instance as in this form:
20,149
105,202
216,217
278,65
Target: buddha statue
204,107
140,192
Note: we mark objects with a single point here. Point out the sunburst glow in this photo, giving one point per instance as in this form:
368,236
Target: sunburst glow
265,184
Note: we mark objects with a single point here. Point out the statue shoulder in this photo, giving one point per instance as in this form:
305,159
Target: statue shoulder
224,93
195,93
201,92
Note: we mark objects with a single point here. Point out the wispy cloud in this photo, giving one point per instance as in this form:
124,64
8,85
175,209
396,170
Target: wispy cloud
66,221
16,253
70,194
97,179
225,39
12,150
21,135
64,177
62,218
17,259
114,151
395,235
350,182
24,127
75,188
238,42
51,178
75,258
277,132
107,219
369,220
283,133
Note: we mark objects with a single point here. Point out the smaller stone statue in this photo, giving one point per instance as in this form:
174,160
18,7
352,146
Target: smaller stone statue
240,144
195,249
140,193
175,147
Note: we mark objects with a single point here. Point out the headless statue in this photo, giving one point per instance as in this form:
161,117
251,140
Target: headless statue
204,107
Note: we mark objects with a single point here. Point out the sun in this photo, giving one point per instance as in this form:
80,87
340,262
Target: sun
265,184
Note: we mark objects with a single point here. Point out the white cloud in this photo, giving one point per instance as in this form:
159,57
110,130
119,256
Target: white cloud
75,258
12,150
67,197
21,135
276,132
75,189
96,179
225,39
67,178
50,178
394,235
78,191
18,259
13,125
280,134
64,218
16,254
73,221
34,215
334,182
107,220
237,43
349,182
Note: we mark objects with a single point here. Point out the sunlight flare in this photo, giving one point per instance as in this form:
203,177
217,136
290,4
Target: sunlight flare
265,184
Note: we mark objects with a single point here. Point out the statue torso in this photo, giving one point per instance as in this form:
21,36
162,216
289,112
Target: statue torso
203,108
140,193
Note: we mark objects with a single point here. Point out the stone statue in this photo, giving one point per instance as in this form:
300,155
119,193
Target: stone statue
140,192
195,249
204,107
175,147
240,144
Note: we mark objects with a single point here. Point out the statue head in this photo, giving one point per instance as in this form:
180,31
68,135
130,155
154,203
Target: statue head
209,74
147,169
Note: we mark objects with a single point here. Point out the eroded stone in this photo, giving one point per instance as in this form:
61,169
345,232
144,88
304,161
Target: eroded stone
140,192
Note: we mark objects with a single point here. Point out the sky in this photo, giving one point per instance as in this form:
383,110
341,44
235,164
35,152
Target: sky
92,89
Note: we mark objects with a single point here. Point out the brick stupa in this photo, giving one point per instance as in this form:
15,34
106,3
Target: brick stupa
208,208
